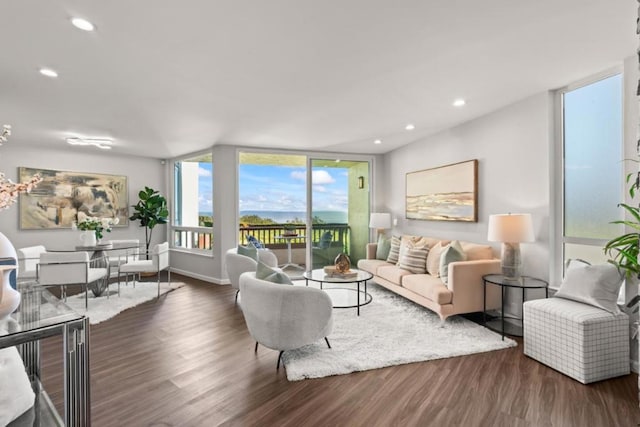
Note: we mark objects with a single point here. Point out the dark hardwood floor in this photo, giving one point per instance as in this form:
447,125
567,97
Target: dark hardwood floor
188,360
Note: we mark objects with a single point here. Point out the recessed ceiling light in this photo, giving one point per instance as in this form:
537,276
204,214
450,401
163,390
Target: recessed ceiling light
459,102
377,141
83,24
48,72
410,127
102,143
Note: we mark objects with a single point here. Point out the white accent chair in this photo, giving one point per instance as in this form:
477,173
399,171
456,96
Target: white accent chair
28,259
69,268
284,317
238,264
159,261
122,252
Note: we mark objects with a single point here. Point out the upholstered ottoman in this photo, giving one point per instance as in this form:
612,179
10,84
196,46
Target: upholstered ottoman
584,342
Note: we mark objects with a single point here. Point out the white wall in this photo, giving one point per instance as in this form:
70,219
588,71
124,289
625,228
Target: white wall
139,171
512,148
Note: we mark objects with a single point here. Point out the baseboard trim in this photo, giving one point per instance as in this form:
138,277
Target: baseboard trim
202,277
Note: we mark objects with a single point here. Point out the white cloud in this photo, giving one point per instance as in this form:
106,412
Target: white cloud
318,177
203,172
319,188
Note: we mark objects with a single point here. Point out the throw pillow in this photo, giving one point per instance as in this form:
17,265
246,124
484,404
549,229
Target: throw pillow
383,248
596,285
264,272
249,250
433,260
414,258
453,252
254,241
394,250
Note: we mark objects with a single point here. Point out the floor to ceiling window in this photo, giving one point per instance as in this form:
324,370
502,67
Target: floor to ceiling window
592,167
192,209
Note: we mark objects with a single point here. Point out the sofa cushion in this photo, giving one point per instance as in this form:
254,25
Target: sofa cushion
413,258
429,242
394,251
475,252
429,287
372,265
383,248
433,260
392,273
453,252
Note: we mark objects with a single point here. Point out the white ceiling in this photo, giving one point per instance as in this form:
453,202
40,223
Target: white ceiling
165,78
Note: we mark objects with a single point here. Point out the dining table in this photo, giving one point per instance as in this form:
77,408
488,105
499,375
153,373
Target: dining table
99,259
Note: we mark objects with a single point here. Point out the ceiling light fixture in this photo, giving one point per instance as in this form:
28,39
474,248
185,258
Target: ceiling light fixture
377,141
410,127
102,143
48,72
459,102
83,24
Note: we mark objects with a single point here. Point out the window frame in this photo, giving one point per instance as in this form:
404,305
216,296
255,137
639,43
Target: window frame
173,227
557,175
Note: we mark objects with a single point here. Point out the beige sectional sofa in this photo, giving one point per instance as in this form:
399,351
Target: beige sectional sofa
462,294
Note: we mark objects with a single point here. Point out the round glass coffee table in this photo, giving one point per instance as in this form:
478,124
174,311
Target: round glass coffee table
340,296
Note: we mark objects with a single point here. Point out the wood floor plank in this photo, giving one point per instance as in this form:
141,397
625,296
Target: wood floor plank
188,360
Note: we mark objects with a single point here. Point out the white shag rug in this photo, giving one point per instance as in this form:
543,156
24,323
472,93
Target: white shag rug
391,330
101,308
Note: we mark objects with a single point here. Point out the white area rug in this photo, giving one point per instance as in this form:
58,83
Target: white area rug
390,331
101,308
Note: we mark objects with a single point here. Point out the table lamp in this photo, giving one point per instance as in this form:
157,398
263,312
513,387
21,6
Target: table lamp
380,221
511,230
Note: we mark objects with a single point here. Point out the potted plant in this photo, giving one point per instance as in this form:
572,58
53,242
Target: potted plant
623,249
150,210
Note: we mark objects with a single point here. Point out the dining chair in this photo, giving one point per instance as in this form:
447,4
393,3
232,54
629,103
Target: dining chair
159,261
28,259
69,268
123,251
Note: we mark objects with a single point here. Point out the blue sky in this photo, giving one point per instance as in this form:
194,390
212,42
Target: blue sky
205,187
283,188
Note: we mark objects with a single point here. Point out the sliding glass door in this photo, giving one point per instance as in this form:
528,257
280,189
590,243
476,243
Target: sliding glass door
339,217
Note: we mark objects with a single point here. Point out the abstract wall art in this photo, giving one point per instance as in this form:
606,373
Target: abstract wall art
445,193
57,200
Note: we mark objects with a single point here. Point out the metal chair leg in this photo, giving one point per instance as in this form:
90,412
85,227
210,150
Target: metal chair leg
279,358
255,350
86,296
236,301
327,340
158,284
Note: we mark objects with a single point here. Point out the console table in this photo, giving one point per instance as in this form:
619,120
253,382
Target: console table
39,316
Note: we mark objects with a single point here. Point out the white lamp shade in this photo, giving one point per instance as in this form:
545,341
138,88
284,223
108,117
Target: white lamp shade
512,228
380,220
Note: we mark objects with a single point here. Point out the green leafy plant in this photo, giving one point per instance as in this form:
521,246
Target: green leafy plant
150,210
623,249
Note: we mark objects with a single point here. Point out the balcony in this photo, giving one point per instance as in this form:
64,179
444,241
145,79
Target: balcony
268,234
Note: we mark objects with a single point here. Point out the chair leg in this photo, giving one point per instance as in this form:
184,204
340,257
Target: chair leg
237,292
86,296
158,284
279,358
327,340
255,350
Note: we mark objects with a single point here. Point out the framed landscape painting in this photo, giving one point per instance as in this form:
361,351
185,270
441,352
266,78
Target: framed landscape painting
56,201
445,193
